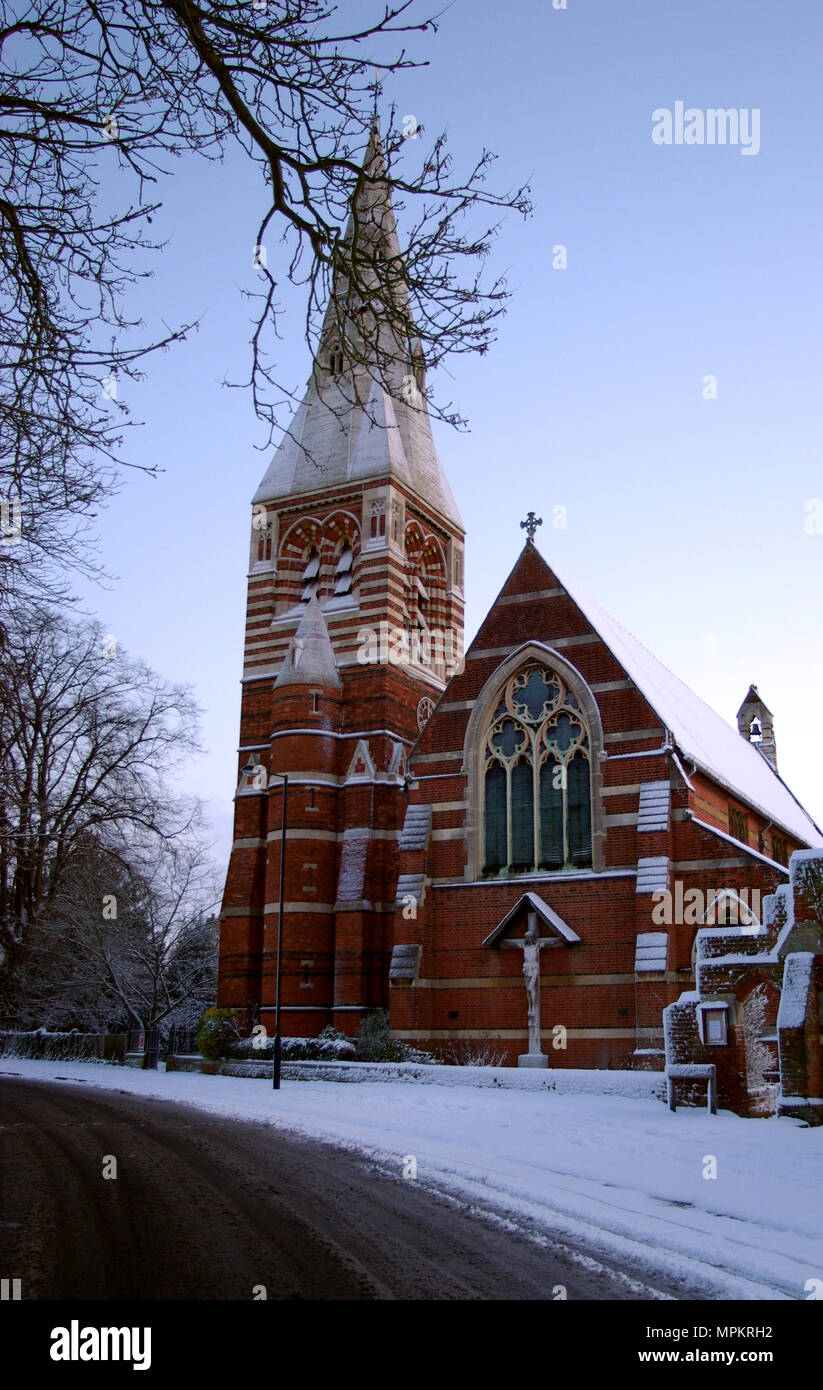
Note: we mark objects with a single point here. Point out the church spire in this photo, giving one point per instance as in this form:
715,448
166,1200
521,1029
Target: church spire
364,413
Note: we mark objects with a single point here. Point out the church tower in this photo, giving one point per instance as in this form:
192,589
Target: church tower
354,624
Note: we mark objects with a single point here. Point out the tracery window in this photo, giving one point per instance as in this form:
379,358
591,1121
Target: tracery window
536,778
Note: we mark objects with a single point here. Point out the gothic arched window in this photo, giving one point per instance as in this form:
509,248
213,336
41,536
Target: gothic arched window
536,778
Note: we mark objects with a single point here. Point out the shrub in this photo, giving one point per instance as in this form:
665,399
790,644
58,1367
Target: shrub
330,1046
216,1032
373,1043
54,1047
474,1052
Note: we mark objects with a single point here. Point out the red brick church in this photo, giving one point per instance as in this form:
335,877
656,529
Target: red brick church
554,809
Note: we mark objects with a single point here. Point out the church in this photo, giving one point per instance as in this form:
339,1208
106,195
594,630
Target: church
551,808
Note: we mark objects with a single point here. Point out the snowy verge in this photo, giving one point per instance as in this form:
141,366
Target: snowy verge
565,1081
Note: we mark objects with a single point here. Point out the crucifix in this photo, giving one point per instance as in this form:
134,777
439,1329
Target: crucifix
531,945
531,524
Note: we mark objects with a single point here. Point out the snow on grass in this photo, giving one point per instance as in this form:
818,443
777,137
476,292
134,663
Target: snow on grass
618,1177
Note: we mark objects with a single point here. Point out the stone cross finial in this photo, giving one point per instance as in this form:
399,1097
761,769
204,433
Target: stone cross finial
531,524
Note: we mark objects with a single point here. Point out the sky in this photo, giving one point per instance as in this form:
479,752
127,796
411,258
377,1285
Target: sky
664,388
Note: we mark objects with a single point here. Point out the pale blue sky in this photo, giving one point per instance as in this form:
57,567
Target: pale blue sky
685,515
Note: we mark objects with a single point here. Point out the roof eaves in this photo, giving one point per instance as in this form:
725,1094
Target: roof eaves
730,839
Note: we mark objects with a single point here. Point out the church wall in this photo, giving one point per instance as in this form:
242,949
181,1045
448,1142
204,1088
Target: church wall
711,802
591,989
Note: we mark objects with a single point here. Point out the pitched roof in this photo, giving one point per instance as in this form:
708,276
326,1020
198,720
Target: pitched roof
547,915
310,657
698,731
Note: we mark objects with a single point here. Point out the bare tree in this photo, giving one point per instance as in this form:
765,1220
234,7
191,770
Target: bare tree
755,1019
129,940
96,102
89,739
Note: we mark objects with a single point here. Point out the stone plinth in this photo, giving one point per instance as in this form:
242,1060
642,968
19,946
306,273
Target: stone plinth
532,1059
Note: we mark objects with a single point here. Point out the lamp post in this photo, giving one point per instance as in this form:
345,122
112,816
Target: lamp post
250,769
275,1080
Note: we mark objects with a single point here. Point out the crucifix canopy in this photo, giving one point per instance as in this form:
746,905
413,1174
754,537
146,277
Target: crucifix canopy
558,932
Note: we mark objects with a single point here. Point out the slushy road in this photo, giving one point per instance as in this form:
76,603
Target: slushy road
204,1207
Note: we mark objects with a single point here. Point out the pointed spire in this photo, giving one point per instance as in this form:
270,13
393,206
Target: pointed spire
342,430
310,658
371,223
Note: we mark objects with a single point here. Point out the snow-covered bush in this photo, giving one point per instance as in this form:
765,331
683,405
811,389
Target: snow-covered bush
758,1057
330,1046
53,1047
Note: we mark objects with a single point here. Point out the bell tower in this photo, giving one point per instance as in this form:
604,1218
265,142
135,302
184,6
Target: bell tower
354,623
756,725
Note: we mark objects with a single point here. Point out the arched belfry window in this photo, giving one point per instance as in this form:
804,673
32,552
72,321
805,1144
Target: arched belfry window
536,778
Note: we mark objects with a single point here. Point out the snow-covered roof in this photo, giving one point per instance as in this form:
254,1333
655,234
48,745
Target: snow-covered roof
699,732
547,915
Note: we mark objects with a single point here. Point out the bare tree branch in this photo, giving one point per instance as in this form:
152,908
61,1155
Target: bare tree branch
96,101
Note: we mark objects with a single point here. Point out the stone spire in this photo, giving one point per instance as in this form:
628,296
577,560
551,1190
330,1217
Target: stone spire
310,658
362,421
755,724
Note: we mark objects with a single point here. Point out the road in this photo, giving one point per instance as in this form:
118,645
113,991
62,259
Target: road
204,1207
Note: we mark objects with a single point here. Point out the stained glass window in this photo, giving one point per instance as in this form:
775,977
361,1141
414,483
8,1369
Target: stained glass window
495,788
536,782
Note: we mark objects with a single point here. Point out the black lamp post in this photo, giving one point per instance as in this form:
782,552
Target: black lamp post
275,1080
250,769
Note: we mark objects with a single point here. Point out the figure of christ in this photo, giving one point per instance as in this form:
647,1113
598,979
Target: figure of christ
531,975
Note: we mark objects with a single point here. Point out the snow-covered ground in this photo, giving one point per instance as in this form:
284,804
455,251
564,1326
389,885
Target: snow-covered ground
622,1178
